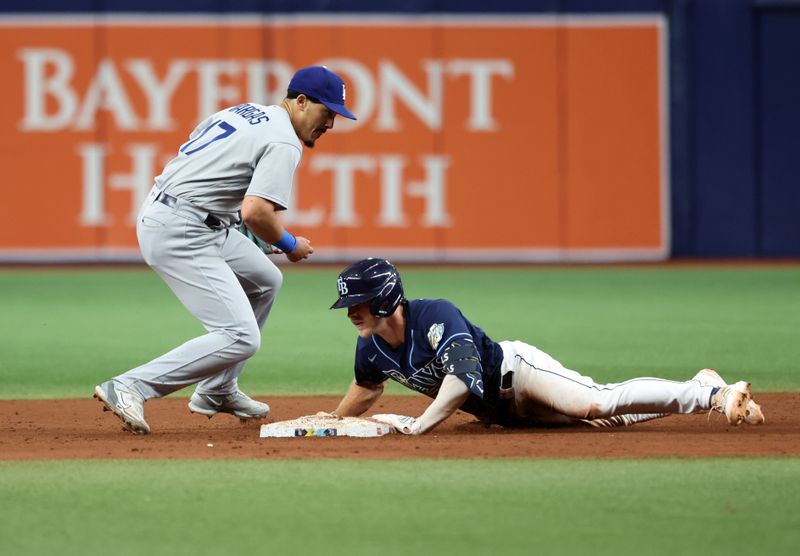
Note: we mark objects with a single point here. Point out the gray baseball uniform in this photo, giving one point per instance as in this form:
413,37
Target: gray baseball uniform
238,162
221,277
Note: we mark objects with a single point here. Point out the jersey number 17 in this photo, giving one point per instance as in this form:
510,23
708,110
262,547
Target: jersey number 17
227,129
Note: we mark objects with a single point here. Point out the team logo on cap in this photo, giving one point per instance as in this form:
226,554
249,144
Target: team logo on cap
344,93
341,285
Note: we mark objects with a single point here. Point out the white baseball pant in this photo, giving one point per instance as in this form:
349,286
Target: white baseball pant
548,393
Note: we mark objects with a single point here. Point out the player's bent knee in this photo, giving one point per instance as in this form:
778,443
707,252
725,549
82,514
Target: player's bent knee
249,343
272,279
250,349
269,284
277,279
244,348
246,342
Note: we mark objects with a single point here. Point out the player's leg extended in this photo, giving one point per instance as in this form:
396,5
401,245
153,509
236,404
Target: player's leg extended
534,414
187,255
261,281
540,379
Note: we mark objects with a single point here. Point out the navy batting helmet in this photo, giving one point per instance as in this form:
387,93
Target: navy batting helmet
371,279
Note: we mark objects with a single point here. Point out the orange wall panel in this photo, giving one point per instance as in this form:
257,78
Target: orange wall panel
504,139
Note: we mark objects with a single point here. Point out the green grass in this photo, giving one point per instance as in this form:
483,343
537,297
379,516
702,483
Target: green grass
64,331
707,507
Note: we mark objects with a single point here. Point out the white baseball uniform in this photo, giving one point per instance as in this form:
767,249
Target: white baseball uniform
447,357
220,276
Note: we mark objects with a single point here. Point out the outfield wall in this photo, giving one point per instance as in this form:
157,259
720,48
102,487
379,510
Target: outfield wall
543,131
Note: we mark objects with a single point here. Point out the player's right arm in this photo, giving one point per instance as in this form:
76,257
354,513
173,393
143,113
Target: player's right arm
367,385
359,398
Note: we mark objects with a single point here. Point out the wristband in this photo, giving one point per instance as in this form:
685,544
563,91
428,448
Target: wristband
287,243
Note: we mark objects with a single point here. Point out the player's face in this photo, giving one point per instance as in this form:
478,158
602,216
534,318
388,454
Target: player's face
365,322
314,120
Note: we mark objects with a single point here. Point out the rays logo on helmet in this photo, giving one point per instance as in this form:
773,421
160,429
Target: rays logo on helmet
341,285
435,334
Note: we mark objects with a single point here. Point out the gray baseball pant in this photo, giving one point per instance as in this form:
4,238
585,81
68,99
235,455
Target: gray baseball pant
223,279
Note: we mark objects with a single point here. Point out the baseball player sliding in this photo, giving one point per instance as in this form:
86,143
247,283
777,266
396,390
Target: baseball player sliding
429,346
238,164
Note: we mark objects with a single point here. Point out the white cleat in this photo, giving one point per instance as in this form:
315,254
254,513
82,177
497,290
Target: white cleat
238,404
710,377
731,401
126,404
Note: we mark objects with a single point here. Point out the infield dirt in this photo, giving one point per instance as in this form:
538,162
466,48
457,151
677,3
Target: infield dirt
79,429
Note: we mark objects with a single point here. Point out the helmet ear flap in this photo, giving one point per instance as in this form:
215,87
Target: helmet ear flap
387,301
376,307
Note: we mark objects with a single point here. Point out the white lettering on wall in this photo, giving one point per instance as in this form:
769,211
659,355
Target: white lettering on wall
48,72
396,86
212,94
107,92
258,78
93,157
54,102
384,97
391,213
158,92
432,189
139,181
343,168
480,73
394,189
343,210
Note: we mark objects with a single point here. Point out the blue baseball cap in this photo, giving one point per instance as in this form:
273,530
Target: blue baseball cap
324,85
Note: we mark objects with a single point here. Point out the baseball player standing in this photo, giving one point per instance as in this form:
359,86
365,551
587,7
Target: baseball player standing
430,347
238,164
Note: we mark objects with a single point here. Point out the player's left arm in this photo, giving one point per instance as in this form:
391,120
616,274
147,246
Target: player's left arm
261,217
452,393
462,363
461,359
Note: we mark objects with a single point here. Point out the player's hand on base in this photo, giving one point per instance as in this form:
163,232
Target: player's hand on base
326,415
402,423
302,251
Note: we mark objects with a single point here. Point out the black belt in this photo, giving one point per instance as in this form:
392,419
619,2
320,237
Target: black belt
507,381
211,221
